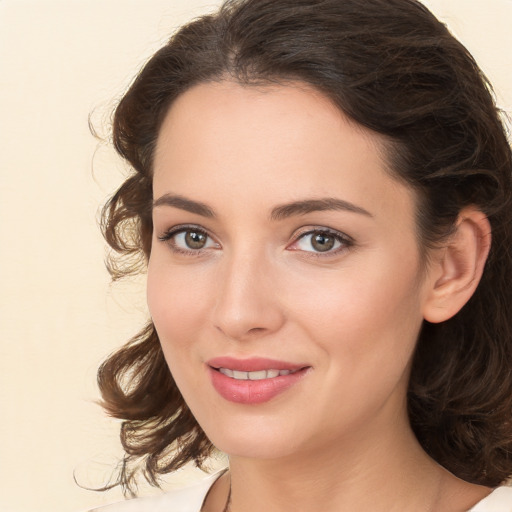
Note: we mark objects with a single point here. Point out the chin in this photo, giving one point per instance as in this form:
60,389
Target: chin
261,448
258,440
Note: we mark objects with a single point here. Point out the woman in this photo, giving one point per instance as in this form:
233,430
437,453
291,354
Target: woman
322,195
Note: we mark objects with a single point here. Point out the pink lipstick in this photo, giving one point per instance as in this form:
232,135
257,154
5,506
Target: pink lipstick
254,380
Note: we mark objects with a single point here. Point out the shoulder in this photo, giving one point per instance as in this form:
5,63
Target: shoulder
187,499
500,500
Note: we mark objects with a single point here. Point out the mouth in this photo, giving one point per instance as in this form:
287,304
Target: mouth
254,381
255,375
254,368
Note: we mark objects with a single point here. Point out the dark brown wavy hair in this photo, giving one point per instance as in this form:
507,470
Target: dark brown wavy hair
392,67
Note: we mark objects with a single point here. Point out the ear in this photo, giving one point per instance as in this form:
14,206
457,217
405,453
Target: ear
457,267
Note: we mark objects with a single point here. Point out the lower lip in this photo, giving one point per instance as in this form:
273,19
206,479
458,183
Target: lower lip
253,391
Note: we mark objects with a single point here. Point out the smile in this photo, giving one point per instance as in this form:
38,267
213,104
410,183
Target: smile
256,375
254,381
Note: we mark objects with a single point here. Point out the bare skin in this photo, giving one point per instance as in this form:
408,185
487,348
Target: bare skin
227,159
432,489
348,480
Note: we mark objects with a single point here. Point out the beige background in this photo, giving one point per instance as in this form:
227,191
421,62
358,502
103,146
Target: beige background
61,60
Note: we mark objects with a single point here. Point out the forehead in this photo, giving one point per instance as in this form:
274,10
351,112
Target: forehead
216,112
271,144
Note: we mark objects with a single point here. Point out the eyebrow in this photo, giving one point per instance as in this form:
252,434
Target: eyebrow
278,213
184,204
315,205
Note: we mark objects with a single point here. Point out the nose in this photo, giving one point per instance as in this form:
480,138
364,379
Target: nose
247,304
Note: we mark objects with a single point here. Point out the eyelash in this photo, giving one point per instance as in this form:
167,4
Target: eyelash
168,237
345,241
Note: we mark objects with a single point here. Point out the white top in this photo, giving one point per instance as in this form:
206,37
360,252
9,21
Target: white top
187,499
191,498
500,500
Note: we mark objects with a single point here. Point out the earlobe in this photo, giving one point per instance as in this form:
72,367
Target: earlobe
459,267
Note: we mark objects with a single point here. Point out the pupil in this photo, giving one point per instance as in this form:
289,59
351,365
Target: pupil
195,240
322,242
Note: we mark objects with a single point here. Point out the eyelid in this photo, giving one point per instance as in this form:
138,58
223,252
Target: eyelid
168,235
345,240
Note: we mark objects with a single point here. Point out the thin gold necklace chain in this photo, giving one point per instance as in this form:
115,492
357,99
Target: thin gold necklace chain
228,501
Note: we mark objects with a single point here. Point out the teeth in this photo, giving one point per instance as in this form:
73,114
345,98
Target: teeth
258,375
226,371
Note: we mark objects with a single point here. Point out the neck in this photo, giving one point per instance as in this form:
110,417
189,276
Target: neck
386,474
334,479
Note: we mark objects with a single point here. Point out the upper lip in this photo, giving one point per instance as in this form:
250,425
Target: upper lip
253,364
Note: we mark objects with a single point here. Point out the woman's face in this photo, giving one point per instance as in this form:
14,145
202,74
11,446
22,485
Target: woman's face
282,244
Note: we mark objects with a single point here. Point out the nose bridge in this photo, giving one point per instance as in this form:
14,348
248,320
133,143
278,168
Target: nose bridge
246,303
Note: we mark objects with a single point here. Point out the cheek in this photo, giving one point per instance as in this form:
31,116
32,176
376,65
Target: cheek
178,300
366,329
368,318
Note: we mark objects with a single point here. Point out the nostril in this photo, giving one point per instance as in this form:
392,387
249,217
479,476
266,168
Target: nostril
256,329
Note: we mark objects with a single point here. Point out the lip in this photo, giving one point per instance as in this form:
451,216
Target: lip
253,364
253,391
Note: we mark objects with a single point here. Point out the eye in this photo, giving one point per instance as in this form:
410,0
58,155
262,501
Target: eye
322,241
188,239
